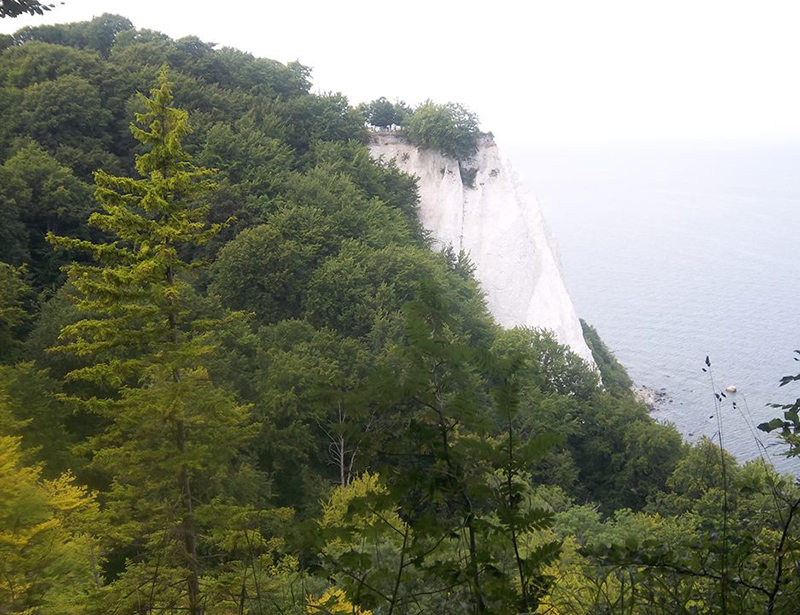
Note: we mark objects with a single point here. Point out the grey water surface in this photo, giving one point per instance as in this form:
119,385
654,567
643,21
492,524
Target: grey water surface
675,253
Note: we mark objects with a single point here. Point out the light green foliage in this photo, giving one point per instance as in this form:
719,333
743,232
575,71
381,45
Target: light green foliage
585,583
718,541
476,517
151,219
365,538
451,128
49,551
334,602
699,473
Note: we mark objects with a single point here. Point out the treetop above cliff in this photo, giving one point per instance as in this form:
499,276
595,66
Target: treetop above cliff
450,128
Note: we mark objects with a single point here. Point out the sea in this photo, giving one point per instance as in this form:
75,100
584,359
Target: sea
676,253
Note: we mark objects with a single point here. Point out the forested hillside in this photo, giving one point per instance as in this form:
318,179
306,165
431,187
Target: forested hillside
235,378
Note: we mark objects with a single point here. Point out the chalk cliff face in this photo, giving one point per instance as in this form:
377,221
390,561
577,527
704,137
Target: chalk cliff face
499,224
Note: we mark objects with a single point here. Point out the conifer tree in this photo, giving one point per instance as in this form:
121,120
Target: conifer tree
170,433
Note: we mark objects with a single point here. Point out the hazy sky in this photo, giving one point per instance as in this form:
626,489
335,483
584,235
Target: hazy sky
537,72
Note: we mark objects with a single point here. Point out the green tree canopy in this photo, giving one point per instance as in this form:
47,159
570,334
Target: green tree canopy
38,195
383,113
450,128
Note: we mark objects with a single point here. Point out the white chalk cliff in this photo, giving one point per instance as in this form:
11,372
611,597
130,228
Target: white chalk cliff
500,225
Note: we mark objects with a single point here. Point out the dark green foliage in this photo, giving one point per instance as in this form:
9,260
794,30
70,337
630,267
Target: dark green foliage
317,430
351,291
14,297
618,442
327,117
40,60
38,195
54,312
32,398
266,268
97,35
375,178
615,378
461,492
247,155
553,368
615,454
451,128
15,8
65,110
789,425
71,88
383,113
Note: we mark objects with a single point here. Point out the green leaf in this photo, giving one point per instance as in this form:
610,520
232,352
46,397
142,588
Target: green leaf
771,425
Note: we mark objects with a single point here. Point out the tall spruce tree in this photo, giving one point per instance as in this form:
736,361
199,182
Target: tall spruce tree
170,433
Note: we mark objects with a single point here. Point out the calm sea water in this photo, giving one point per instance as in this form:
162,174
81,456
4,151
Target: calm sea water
678,253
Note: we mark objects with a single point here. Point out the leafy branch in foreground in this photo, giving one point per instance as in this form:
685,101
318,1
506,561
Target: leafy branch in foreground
789,425
15,8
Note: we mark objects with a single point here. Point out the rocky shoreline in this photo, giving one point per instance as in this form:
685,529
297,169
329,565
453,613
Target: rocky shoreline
654,399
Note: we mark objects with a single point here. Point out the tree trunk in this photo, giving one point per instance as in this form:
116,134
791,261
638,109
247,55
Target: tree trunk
188,529
455,473
189,536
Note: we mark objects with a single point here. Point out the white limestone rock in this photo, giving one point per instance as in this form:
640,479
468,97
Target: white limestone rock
500,225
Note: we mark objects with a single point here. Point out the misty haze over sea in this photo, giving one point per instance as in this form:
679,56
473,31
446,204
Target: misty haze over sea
674,253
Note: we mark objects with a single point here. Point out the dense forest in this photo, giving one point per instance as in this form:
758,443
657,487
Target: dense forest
236,378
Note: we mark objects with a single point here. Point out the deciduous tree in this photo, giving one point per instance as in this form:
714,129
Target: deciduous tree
451,129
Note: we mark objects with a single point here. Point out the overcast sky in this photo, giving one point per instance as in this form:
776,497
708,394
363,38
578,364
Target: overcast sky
537,72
